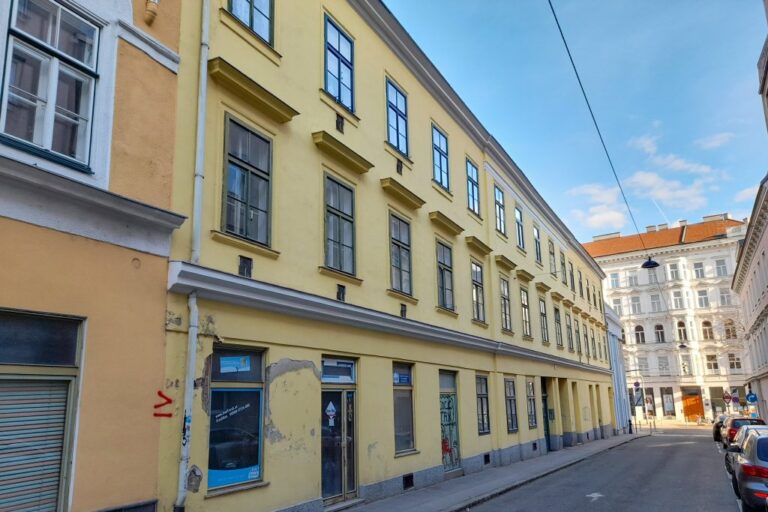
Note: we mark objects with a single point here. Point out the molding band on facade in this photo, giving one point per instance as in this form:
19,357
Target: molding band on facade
42,198
184,278
156,50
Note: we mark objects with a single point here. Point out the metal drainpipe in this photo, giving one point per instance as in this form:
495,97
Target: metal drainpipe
197,208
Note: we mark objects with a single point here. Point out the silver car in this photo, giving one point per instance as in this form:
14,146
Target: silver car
738,440
750,470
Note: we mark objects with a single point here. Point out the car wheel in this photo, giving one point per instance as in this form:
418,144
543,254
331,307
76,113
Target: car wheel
735,487
746,507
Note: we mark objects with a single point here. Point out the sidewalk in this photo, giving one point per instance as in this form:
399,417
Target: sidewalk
459,493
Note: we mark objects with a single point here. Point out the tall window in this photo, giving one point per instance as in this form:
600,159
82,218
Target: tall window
530,392
570,274
506,315
440,158
519,228
563,275
444,276
698,270
339,50
652,278
478,303
642,365
577,335
543,320
483,416
712,365
397,118
682,332
585,333
634,303
569,331
589,299
703,298
558,328
734,363
730,329
674,272
537,244
615,280
664,366
403,399
256,14
639,334
473,188
339,227
236,385
685,364
725,297
707,331
501,215
617,306
526,312
511,403
658,331
249,166
581,285
721,269
656,303
677,300
400,247
632,279
552,261
594,346
47,97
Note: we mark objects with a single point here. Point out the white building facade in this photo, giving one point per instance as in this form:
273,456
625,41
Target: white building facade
681,324
615,343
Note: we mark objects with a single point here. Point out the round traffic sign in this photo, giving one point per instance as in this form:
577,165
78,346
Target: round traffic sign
751,398
735,399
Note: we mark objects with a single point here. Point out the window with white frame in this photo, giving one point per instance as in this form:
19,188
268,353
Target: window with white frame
635,305
530,392
658,331
537,244
569,331
730,329
511,404
558,328
501,215
402,390
615,280
734,363
698,270
519,228
706,330
652,277
685,364
721,269
674,271
664,366
639,334
632,279
617,306
725,297
478,300
712,366
506,315
677,300
655,303
552,261
526,311
703,298
543,320
577,335
563,275
642,365
682,332
50,80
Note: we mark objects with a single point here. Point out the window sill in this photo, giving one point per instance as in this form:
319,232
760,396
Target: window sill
507,332
340,109
446,311
402,296
406,453
527,338
545,343
475,216
392,150
241,243
513,431
338,274
235,488
480,323
521,250
560,347
45,154
445,193
249,36
481,434
501,235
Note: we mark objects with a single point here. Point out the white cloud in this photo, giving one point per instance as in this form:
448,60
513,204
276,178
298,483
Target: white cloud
714,141
748,194
645,143
604,212
676,163
670,193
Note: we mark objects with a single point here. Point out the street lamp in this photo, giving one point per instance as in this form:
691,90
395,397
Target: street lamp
650,264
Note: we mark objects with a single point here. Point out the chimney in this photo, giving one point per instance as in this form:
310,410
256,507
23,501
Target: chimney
606,236
717,216
682,222
663,226
650,229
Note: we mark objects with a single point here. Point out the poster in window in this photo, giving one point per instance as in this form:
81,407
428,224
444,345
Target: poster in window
234,450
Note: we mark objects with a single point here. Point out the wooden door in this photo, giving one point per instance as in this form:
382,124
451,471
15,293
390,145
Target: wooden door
692,407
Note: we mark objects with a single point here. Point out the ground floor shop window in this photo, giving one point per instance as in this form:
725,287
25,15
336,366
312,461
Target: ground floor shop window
668,400
234,448
530,392
509,396
403,399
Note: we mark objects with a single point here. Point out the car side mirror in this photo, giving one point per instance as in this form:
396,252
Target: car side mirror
734,448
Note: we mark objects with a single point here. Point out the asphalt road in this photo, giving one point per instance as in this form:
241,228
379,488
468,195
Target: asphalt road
676,470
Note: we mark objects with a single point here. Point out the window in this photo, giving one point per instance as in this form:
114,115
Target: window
725,297
339,227
632,279
589,297
506,315
664,366
570,273
519,228
577,335
685,364
615,280
730,329
677,300
543,320
658,331
706,330
617,306
635,305
656,303
400,247
652,277
478,304
444,276
698,270
530,391
720,268
558,328
526,312
552,261
586,338
569,331
256,14
473,188
734,363
592,337
642,365
712,366
403,399
563,275
674,272
339,64
703,298
501,216
639,334
682,332
511,403
235,435
581,286
440,158
249,166
397,118
483,417
537,244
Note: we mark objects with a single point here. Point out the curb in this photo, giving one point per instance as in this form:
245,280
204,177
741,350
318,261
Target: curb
464,506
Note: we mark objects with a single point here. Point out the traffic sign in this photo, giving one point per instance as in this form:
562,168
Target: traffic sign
735,399
726,397
751,398
637,384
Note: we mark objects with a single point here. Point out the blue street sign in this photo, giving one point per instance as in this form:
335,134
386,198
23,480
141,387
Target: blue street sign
751,398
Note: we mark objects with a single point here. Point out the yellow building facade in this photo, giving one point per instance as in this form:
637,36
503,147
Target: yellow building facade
87,127
369,295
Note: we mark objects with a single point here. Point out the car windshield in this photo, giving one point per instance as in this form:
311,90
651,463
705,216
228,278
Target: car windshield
747,421
762,449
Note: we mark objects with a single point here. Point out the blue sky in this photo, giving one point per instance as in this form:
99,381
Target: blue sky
673,86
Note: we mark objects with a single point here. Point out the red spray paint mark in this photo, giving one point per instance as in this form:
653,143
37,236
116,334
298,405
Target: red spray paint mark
166,401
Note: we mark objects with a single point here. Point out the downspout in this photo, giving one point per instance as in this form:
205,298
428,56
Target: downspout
197,208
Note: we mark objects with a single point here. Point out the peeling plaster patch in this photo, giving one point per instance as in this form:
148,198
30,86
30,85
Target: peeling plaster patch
172,318
312,433
208,326
372,447
274,371
204,384
194,477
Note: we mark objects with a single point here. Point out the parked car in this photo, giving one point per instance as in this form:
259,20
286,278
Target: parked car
717,426
750,471
738,440
731,426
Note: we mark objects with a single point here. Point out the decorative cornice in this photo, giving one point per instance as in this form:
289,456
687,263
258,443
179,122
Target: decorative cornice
156,50
397,190
556,296
219,286
478,245
505,263
341,152
524,276
576,309
568,303
443,221
755,232
543,287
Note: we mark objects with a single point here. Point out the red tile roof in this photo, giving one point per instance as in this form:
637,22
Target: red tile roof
690,234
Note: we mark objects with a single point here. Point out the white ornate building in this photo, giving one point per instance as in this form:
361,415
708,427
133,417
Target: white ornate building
682,325
615,343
